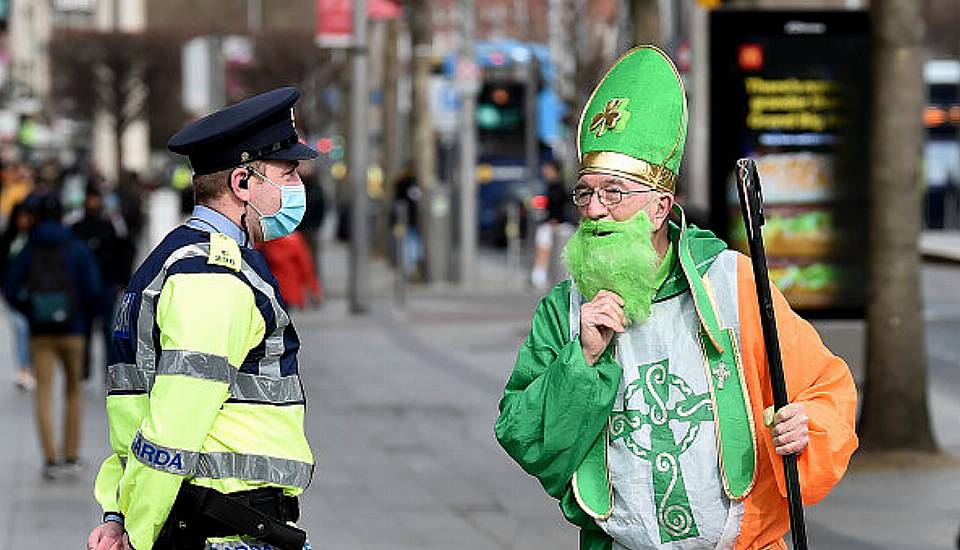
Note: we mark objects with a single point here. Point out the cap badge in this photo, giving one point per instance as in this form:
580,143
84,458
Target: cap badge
244,157
613,117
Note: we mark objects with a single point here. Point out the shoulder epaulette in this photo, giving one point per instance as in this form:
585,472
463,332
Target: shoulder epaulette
224,251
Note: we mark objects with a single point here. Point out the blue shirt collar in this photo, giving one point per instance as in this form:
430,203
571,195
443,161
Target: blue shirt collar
207,219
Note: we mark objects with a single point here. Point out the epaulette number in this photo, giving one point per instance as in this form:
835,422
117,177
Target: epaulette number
224,251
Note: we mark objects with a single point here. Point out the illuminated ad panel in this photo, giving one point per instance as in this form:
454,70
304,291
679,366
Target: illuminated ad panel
790,90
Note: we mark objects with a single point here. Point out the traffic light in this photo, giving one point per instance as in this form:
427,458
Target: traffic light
331,146
324,145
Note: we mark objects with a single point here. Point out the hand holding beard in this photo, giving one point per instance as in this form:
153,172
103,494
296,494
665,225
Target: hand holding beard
614,266
600,318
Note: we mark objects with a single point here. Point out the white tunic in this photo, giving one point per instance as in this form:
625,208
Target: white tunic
663,460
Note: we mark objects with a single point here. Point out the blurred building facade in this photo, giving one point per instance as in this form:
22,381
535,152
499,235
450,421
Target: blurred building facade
583,37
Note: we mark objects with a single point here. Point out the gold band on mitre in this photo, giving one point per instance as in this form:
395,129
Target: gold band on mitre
627,167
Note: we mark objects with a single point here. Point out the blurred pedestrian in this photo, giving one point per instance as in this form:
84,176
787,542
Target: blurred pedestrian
290,262
406,196
16,184
180,181
641,396
55,282
129,196
101,236
205,402
12,242
556,225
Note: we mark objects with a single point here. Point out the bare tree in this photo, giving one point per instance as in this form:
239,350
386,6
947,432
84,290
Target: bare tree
116,72
895,414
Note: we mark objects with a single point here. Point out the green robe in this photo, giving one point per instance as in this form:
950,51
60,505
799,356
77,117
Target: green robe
555,405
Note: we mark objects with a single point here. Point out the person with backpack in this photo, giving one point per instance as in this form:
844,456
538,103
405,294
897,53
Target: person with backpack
55,283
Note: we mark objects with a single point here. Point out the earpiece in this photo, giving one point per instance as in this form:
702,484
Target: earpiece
244,182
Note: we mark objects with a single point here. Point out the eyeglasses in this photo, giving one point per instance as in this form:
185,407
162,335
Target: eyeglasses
607,197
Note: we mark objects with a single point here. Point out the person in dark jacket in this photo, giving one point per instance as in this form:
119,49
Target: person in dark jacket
56,283
112,252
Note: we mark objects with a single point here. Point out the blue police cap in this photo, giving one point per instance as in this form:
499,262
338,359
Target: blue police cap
261,127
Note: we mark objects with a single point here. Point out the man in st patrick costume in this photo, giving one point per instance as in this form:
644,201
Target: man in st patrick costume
641,398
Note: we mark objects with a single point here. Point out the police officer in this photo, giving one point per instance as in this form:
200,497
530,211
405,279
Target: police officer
204,397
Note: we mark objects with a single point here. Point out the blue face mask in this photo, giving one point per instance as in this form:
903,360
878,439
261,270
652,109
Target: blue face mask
293,204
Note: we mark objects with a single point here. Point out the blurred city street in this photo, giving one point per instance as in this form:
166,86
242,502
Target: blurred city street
410,172
401,404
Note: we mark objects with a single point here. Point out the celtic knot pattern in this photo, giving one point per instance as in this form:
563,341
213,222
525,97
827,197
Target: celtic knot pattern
655,412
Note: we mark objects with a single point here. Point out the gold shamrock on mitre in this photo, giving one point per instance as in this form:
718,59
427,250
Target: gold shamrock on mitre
608,118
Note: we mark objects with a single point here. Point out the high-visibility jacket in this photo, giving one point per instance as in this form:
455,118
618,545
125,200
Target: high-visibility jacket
556,408
203,385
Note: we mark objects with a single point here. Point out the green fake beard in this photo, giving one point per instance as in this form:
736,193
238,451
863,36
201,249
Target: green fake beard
615,256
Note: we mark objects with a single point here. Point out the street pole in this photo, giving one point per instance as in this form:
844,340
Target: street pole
647,23
434,206
254,16
531,142
521,13
468,150
359,289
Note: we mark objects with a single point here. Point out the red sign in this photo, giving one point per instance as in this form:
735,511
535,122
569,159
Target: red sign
750,57
384,9
334,19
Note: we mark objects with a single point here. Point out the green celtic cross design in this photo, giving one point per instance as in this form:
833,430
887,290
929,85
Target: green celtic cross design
674,514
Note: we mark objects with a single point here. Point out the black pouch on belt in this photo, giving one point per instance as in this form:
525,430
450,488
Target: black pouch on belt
200,513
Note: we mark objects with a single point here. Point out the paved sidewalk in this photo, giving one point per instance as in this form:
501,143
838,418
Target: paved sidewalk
942,245
400,413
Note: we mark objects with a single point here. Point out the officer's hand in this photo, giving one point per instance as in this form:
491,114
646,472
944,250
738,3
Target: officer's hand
109,535
789,428
600,318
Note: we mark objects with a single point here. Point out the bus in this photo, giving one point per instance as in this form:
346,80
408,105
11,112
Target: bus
518,119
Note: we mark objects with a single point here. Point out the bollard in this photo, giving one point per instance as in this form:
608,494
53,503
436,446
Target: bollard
512,231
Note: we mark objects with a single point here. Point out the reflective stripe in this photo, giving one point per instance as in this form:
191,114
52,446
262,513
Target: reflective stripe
196,365
245,387
269,387
127,377
273,346
266,389
267,469
166,459
257,468
146,353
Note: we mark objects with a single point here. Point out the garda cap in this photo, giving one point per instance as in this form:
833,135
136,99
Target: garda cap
261,127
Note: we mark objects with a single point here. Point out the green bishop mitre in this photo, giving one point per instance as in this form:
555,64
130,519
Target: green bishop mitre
635,122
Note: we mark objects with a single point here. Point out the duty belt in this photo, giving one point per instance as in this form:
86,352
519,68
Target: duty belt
200,513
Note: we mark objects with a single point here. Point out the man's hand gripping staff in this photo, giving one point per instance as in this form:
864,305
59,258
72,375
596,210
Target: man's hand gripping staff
789,421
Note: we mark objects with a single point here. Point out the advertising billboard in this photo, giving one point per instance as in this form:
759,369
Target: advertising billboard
791,91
